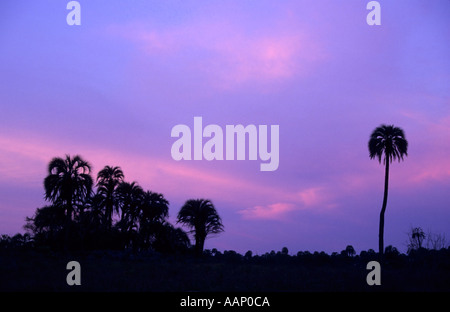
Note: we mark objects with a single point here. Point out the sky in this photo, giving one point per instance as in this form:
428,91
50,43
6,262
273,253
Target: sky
112,88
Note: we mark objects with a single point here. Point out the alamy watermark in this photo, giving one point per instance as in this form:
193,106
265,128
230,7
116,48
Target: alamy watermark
374,16
74,276
74,16
374,276
230,144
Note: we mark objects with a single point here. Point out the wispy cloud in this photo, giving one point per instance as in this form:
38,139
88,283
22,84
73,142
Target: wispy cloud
429,146
225,52
271,211
24,160
315,198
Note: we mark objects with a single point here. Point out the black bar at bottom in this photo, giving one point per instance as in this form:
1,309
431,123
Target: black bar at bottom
219,301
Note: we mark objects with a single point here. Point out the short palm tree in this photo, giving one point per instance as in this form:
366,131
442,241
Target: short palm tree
387,143
153,210
418,235
68,182
129,201
67,185
108,180
154,207
201,216
416,238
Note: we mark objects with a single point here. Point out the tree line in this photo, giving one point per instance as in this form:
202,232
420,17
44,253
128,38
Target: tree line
112,213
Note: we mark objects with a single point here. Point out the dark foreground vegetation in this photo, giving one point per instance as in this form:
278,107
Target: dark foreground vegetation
31,269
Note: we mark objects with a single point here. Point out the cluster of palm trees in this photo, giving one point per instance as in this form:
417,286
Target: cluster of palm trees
113,213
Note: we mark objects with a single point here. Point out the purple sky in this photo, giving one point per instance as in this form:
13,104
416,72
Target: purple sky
112,88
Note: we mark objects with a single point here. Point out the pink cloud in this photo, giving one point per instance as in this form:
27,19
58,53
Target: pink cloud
24,160
311,196
231,56
429,148
272,211
316,198
262,60
435,172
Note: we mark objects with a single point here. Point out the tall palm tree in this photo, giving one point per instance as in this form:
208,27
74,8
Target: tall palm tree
68,183
387,143
201,216
108,180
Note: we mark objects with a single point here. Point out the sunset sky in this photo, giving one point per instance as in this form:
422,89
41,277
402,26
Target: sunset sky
112,89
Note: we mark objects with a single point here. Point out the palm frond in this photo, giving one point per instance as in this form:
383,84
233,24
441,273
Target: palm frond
388,141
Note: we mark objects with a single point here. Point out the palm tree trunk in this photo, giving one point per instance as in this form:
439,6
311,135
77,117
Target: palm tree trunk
108,214
383,209
67,224
199,245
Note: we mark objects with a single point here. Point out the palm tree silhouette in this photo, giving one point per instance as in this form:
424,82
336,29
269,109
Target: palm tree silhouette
108,180
154,207
96,216
419,236
202,217
129,198
153,210
68,184
416,237
390,142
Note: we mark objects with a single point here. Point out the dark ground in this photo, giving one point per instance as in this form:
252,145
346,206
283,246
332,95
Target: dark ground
30,270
